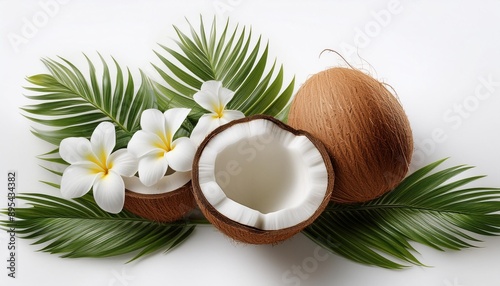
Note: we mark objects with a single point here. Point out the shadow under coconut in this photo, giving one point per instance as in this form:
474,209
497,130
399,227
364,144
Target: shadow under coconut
299,261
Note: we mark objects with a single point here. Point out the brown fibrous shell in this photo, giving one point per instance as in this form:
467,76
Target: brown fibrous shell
165,207
363,127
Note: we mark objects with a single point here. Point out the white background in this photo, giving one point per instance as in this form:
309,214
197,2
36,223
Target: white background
436,54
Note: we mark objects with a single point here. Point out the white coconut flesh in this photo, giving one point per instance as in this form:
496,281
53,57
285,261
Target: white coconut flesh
262,176
170,182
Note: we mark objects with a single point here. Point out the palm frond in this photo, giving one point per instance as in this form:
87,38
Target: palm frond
428,208
233,57
425,208
80,228
70,104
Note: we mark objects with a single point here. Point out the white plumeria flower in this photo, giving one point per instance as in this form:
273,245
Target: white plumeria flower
94,165
213,97
155,147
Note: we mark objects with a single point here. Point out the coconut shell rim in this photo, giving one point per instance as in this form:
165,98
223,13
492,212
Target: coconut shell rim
250,234
145,205
156,196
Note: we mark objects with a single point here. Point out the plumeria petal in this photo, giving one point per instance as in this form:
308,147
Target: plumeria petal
109,192
123,163
174,118
211,86
213,96
77,180
225,95
143,142
103,140
208,97
230,115
152,167
180,158
206,124
153,121
75,150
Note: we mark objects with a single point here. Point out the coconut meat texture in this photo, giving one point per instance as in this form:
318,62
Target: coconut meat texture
170,182
259,173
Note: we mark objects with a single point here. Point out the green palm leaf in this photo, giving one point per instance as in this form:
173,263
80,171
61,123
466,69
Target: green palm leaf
233,57
80,228
425,208
432,209
69,104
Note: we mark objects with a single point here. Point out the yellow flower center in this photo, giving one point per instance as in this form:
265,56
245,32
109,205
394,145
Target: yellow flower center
101,163
165,142
219,111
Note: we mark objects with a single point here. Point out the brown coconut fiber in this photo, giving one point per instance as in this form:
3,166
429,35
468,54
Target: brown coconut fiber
244,233
363,127
166,207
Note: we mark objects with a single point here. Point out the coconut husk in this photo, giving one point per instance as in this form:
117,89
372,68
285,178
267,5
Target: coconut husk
166,207
363,127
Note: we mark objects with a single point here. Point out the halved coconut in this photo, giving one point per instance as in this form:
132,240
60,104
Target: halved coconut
260,181
168,200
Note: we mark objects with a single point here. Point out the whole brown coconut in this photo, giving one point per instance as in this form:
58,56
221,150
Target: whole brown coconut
363,127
